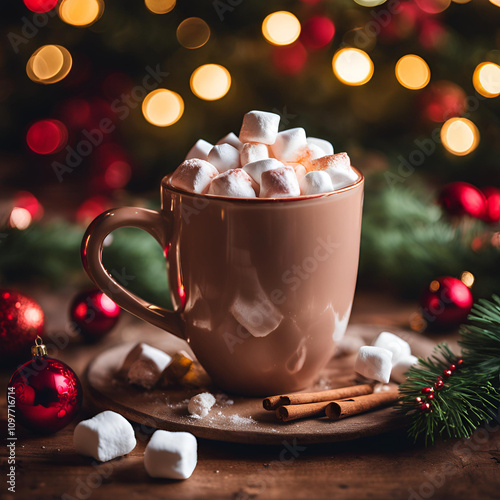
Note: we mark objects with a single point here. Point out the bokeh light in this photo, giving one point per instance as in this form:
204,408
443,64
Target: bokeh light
162,107
91,208
47,136
486,79
20,218
412,72
443,100
193,33
352,66
370,3
117,174
49,64
80,13
290,59
27,200
459,136
467,278
317,32
160,6
40,6
495,2
210,82
433,6
281,28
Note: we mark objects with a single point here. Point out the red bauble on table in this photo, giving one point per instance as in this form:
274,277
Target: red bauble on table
492,210
461,198
47,393
446,303
21,320
94,314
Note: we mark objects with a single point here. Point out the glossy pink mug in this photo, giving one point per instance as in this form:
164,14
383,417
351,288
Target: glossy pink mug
262,288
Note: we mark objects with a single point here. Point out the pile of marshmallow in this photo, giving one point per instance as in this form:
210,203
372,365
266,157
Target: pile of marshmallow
388,358
264,163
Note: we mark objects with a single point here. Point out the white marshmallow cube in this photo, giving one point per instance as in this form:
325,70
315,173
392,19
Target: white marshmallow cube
374,363
316,182
400,349
171,455
251,152
193,175
325,146
257,168
224,157
200,150
300,170
201,404
259,126
232,139
234,183
400,369
338,167
106,436
289,144
279,182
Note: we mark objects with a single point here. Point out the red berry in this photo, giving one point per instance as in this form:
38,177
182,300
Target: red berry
418,399
452,368
459,362
427,390
447,373
439,383
425,407
430,396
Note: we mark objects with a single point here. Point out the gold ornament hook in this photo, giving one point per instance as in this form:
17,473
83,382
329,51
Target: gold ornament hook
39,349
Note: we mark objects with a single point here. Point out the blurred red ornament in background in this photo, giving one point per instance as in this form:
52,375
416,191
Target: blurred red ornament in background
432,34
290,59
461,198
91,208
317,32
492,210
443,100
401,24
28,201
75,113
47,136
117,174
433,6
40,6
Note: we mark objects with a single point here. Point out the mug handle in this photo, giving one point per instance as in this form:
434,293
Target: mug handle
91,253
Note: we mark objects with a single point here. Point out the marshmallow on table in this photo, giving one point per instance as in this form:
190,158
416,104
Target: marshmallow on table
338,167
199,150
259,126
251,152
316,182
325,146
144,365
280,182
374,362
235,183
106,436
224,157
232,139
401,367
400,349
201,404
193,175
257,168
171,455
289,144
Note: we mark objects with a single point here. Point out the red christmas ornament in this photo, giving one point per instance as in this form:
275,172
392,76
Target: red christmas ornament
21,320
461,198
317,32
492,209
46,392
443,100
290,59
94,314
446,303
40,6
47,136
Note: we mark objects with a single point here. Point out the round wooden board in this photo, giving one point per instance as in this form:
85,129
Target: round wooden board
241,419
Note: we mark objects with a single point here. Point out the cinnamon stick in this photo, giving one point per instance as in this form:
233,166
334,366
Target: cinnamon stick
354,406
288,413
300,398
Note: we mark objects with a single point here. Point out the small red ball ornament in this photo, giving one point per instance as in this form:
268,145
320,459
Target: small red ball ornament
446,303
290,59
40,6
21,320
94,314
317,32
492,209
45,392
461,198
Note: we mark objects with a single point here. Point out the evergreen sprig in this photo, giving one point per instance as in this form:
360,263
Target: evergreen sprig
471,395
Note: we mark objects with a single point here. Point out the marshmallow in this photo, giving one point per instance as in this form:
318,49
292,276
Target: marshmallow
144,365
235,183
399,348
325,146
289,144
374,362
194,175
400,369
232,139
180,365
171,455
201,404
338,167
251,152
279,183
199,150
224,157
257,168
106,436
316,182
300,170
259,126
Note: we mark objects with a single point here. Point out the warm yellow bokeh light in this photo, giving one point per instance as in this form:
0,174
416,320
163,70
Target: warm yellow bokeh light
160,6
20,218
193,33
412,72
467,278
80,13
459,136
352,66
495,2
370,3
210,82
162,107
486,79
49,64
281,28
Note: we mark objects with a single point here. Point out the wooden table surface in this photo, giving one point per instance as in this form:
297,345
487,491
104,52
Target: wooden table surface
387,466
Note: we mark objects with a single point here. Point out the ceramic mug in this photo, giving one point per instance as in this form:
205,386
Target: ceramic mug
262,288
